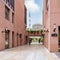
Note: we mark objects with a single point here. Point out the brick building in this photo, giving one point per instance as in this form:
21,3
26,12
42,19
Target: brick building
51,16
12,23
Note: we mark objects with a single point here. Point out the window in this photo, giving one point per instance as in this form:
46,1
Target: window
20,35
47,5
12,3
12,17
12,38
7,12
7,1
25,14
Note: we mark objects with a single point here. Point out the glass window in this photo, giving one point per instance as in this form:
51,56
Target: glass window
7,12
47,5
12,17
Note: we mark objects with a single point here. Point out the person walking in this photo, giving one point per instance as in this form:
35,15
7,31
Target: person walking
30,41
39,41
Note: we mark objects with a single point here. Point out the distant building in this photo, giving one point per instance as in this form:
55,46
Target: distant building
37,27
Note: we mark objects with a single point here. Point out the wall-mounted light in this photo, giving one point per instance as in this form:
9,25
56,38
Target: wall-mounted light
6,29
54,28
45,30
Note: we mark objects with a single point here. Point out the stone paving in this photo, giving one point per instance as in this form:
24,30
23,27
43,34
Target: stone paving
32,52
57,54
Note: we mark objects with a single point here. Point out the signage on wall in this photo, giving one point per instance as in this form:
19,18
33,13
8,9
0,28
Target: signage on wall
54,35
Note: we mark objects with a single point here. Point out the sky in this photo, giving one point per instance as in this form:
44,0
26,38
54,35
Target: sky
35,8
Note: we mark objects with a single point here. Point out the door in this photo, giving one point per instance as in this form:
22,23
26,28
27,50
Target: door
20,39
59,36
26,39
7,39
17,39
12,39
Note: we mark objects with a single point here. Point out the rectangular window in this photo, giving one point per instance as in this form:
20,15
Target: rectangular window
13,39
47,5
12,3
12,17
7,1
7,12
25,14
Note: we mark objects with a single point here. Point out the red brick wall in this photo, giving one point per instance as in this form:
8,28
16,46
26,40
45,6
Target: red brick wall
18,26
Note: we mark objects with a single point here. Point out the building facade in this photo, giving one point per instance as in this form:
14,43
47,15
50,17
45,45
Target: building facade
12,23
51,22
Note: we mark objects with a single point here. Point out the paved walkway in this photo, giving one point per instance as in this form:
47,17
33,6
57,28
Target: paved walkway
33,52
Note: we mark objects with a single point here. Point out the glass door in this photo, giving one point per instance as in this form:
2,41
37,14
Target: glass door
59,37
12,39
7,39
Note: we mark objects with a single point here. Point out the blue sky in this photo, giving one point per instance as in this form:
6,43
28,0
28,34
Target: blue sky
35,7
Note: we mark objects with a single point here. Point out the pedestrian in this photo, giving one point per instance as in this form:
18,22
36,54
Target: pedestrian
30,41
39,41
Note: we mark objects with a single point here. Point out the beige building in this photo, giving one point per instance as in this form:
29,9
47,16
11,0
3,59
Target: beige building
12,23
51,16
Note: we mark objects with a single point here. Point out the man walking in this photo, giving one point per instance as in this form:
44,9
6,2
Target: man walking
30,41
